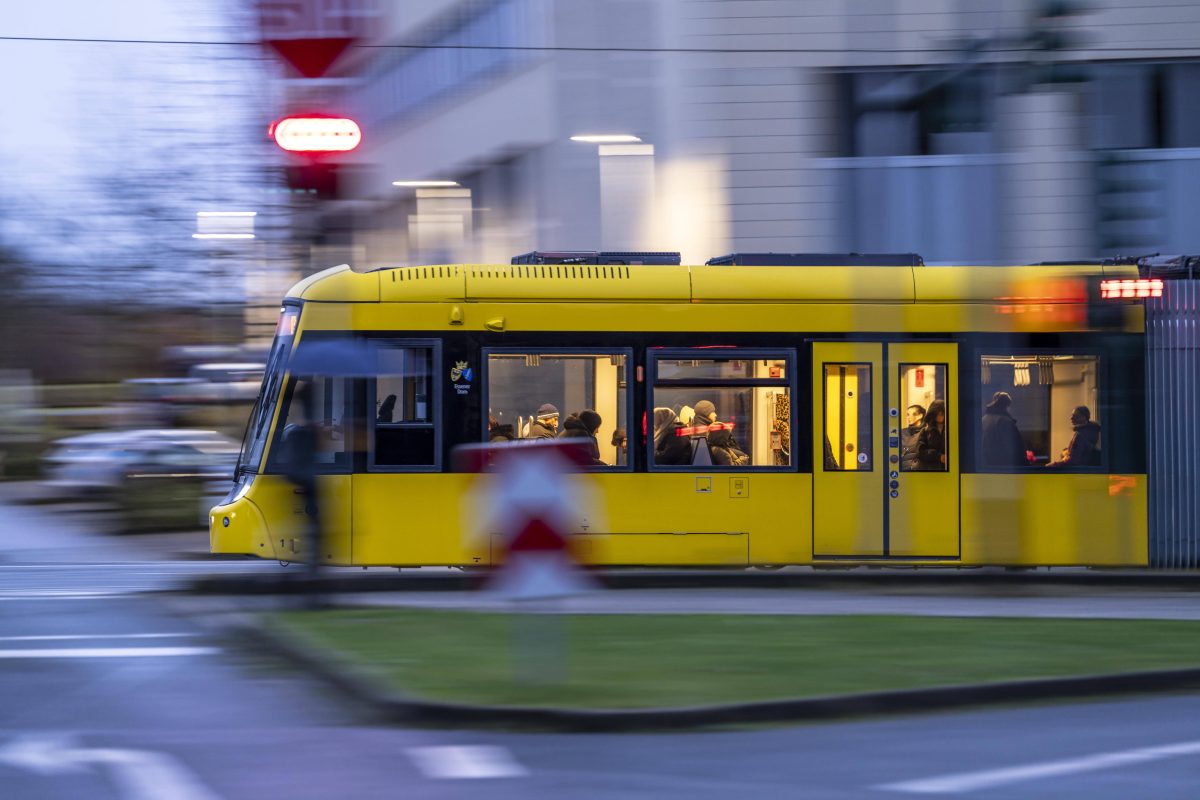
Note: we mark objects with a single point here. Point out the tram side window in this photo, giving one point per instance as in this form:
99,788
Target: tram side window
403,408
925,434
327,409
848,424
1039,411
581,395
722,412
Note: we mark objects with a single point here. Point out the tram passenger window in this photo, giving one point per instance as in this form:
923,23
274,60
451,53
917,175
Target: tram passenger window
329,402
721,412
584,395
925,419
1039,411
402,409
848,423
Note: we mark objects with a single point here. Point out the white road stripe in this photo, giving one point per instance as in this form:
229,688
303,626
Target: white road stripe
63,595
987,779
110,652
62,637
465,761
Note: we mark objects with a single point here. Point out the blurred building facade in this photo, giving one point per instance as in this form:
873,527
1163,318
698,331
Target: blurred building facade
1006,131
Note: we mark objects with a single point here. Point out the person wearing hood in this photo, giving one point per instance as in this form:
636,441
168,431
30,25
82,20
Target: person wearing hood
722,447
545,426
931,442
1084,449
1001,445
670,448
584,426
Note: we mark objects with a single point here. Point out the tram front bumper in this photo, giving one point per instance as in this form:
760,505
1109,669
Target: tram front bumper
238,528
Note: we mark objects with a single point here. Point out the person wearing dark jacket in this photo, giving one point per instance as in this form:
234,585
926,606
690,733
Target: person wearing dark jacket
914,417
546,424
1084,449
584,426
931,442
1001,445
671,447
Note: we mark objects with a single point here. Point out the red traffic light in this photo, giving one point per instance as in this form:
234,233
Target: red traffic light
314,134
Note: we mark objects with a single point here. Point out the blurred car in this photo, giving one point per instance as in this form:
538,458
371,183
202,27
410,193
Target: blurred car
102,462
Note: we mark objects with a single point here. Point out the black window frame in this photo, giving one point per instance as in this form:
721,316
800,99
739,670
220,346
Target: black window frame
825,413
900,365
435,403
785,354
485,354
1102,394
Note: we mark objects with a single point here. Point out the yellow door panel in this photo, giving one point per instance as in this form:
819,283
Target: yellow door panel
923,503
847,444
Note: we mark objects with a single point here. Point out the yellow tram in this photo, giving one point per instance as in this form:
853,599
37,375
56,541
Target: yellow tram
812,375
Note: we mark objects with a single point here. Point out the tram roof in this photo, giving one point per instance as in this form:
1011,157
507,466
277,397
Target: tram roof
698,284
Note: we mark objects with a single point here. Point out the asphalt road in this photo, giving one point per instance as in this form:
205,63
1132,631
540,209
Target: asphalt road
108,693
118,697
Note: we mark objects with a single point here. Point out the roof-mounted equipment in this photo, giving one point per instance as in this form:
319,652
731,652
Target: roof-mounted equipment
818,260
596,257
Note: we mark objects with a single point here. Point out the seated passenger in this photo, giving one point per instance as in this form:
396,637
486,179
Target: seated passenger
722,447
671,443
1084,449
387,409
498,433
620,442
584,426
546,424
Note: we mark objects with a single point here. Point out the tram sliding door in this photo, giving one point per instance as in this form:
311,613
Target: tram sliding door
880,489
848,442
923,486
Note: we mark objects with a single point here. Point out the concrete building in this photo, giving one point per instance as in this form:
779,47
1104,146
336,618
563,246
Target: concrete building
1012,130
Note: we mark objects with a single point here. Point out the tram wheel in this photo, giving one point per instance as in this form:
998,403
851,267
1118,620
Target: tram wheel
769,567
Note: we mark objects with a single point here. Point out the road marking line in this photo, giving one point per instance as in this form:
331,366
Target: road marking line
61,637
57,595
110,652
465,761
987,779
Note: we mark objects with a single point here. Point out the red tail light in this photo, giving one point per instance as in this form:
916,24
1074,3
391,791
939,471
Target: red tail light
1130,288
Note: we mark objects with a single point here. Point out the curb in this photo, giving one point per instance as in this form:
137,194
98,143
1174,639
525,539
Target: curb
352,683
934,579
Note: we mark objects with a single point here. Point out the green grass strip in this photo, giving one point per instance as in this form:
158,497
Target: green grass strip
640,661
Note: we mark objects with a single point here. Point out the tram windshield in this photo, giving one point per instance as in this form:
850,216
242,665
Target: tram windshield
255,438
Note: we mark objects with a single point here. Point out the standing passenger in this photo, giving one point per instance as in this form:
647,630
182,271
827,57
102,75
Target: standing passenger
931,442
914,417
1002,445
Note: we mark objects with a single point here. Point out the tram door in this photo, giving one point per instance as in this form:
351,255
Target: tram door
876,491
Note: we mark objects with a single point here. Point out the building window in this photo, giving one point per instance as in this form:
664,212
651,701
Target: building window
1039,411
557,394
404,433
722,412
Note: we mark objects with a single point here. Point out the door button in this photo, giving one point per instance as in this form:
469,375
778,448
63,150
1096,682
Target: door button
895,484
893,474
895,493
